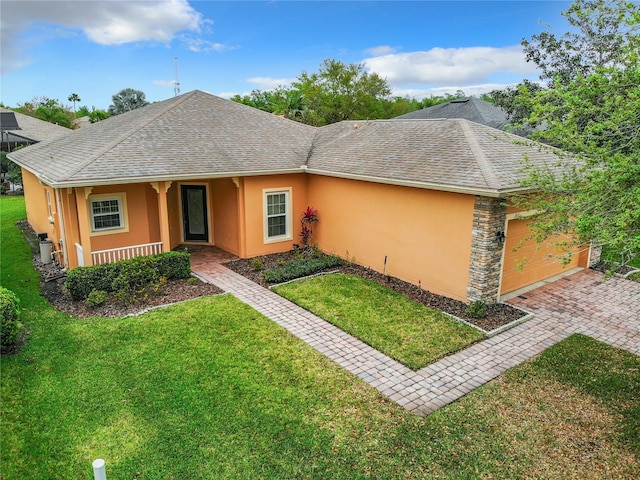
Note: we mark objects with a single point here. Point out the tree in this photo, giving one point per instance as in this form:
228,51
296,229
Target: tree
74,98
337,92
126,100
600,32
47,109
516,101
595,117
600,29
342,92
54,114
93,114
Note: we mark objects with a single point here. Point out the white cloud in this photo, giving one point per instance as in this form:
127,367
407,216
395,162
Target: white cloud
228,95
446,66
268,83
198,44
381,50
103,22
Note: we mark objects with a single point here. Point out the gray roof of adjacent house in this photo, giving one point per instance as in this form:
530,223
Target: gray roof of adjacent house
474,109
30,129
197,135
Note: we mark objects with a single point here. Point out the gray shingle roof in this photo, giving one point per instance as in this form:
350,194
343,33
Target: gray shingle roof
34,129
451,154
193,135
198,135
474,109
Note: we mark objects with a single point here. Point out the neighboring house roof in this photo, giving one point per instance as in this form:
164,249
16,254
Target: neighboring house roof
30,129
474,109
198,135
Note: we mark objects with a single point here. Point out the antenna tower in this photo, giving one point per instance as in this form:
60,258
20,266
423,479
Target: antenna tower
176,83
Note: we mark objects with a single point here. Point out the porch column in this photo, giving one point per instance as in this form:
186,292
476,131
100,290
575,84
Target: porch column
84,224
485,269
163,212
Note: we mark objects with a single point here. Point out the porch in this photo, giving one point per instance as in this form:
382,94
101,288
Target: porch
203,257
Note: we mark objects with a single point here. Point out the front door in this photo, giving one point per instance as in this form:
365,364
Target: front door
194,213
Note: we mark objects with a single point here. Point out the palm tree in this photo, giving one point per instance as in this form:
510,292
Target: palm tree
74,98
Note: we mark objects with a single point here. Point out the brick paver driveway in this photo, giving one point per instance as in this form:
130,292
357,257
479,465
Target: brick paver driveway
581,303
607,310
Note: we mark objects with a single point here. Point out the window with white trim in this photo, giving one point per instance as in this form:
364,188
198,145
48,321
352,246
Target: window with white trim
106,213
277,215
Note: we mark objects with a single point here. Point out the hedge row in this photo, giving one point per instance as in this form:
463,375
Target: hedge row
300,268
134,272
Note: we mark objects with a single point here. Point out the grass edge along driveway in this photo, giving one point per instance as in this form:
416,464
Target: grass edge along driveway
211,389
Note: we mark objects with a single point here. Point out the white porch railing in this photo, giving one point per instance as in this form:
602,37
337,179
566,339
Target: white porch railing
115,254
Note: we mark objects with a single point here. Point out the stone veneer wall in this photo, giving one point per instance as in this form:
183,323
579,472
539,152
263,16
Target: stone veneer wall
489,216
596,253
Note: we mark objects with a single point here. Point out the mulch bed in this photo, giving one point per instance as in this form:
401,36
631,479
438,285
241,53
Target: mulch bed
175,291
55,292
496,316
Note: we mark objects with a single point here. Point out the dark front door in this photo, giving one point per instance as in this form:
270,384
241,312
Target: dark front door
194,213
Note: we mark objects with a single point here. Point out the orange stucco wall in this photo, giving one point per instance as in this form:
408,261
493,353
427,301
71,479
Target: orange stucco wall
425,234
38,216
224,197
527,262
252,196
142,211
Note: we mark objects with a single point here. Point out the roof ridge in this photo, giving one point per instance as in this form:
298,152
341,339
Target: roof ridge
486,168
121,138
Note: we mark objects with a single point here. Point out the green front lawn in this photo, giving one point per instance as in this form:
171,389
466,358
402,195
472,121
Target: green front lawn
400,328
210,389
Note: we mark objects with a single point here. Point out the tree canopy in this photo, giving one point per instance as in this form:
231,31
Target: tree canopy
126,100
337,92
599,32
47,109
594,115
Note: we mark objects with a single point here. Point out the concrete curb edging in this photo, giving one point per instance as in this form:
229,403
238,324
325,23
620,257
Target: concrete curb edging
500,329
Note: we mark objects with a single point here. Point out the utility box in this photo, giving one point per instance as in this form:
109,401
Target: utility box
46,248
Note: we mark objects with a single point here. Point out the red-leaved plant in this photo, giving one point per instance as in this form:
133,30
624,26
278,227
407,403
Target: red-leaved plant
309,217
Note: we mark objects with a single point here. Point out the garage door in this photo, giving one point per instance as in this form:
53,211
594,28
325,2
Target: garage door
541,259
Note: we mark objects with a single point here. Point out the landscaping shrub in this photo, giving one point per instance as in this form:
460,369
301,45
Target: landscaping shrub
300,268
128,279
10,326
257,264
477,309
173,264
96,298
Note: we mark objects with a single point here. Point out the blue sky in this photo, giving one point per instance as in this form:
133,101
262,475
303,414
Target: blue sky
422,48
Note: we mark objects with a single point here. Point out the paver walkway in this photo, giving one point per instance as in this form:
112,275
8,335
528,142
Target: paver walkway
608,311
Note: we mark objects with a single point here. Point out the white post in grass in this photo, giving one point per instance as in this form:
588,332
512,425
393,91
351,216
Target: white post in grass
99,471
